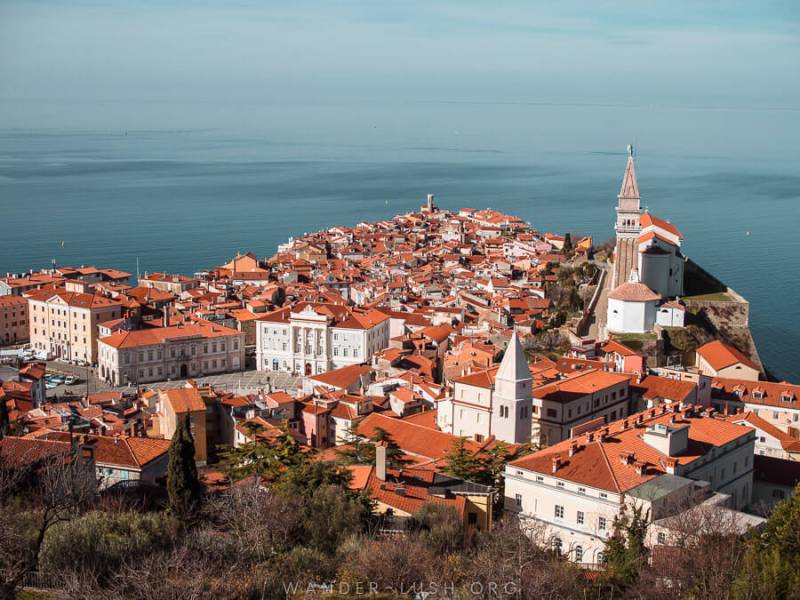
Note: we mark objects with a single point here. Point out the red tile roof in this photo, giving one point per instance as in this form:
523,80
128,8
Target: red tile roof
720,356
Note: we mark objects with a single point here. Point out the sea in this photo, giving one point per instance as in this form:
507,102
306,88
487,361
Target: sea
188,193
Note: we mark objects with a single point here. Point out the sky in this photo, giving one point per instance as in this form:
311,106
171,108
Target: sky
74,62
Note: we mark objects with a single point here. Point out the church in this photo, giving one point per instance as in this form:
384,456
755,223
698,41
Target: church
648,265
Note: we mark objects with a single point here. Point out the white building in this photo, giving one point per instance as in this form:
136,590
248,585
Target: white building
657,460
177,352
660,259
312,338
632,307
671,314
645,243
495,402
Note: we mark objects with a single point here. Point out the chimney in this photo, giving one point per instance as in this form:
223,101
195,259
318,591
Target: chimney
573,448
671,465
590,437
626,457
380,461
625,423
556,463
602,435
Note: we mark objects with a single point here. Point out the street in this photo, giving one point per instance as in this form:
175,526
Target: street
244,382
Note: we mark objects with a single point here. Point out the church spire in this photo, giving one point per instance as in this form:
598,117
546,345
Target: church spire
514,366
630,187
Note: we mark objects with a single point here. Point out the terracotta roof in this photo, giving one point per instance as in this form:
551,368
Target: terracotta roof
648,220
634,292
121,451
482,379
411,438
184,399
576,386
788,443
654,387
599,463
765,393
720,356
341,378
159,335
18,452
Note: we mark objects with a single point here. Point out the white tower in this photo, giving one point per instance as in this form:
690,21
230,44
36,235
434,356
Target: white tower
628,203
512,397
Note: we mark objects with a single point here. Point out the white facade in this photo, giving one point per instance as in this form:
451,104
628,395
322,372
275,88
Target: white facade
577,517
311,342
169,357
488,403
670,316
631,317
661,267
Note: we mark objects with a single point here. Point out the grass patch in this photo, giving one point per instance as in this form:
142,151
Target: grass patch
715,297
634,341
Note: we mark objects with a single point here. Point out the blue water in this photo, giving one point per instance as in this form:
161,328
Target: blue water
189,197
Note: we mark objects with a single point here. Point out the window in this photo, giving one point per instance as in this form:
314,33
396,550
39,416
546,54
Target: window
580,517
555,543
559,512
504,412
601,558
518,500
661,537
539,478
472,518
551,412
778,494
601,523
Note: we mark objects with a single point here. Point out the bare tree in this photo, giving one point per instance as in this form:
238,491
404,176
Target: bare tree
262,523
35,496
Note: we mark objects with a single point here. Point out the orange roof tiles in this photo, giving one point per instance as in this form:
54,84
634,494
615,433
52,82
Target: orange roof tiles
599,463
720,355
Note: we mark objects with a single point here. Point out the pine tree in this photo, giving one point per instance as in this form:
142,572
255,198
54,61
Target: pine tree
183,485
771,566
266,458
462,462
362,452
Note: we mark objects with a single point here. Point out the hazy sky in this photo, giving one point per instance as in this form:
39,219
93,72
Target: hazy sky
93,54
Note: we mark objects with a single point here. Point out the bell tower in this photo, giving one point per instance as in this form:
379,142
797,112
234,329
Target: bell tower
512,397
628,203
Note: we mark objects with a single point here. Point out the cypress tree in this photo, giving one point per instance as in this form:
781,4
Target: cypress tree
183,486
4,420
567,248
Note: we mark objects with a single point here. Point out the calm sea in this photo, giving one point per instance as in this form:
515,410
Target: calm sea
186,198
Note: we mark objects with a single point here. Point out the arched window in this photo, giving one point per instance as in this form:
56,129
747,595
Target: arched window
578,553
601,558
555,544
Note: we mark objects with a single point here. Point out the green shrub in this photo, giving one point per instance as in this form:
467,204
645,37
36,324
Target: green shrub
98,542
